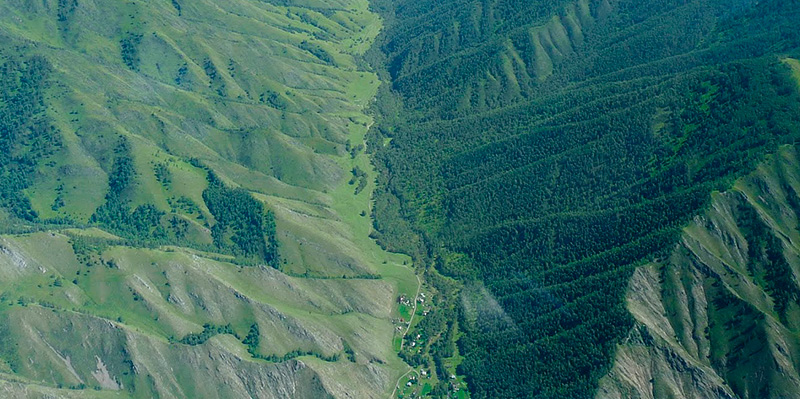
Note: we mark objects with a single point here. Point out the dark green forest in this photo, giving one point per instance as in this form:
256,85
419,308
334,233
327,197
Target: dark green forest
558,145
242,225
26,133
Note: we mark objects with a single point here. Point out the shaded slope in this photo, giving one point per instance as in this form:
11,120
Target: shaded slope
559,145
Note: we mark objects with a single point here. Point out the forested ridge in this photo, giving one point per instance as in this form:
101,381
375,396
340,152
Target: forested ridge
546,149
241,220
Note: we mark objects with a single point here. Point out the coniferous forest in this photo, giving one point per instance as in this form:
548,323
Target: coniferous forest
556,146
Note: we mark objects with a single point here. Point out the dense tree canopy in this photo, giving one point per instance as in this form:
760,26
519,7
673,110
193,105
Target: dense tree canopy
558,145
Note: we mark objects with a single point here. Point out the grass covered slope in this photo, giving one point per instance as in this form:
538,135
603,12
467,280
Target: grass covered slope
137,310
178,215
541,151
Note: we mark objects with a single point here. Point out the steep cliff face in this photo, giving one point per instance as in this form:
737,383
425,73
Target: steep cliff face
719,317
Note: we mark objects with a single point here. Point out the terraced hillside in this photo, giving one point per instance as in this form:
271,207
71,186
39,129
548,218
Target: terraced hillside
184,201
539,152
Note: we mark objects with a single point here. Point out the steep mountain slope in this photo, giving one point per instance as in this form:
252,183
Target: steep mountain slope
183,202
185,191
719,316
539,152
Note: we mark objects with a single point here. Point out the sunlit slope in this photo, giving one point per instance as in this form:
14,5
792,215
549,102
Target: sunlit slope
128,307
269,97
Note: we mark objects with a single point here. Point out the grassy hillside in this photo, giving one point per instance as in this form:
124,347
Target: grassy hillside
178,215
539,152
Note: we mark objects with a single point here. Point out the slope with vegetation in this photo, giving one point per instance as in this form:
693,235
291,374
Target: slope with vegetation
175,211
534,154
718,316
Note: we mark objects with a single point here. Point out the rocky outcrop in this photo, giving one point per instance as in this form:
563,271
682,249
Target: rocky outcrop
719,317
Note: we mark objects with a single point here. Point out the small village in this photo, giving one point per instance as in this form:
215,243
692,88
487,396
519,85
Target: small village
419,382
